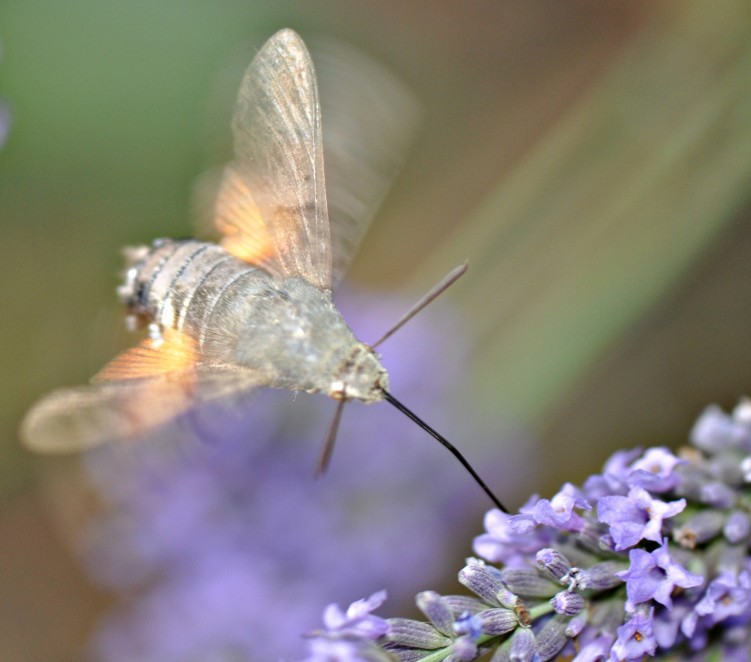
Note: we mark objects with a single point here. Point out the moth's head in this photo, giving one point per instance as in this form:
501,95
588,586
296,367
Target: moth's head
360,377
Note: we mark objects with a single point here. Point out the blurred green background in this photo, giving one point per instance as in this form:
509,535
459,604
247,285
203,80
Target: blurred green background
591,160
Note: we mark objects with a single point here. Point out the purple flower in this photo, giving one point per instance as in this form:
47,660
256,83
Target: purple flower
469,624
727,595
636,517
654,576
715,431
357,621
558,512
635,638
349,636
596,650
591,584
493,544
508,539
614,477
463,649
668,623
718,494
737,526
655,470
334,650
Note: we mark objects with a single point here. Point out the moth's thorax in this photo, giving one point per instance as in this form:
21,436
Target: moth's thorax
297,334
288,331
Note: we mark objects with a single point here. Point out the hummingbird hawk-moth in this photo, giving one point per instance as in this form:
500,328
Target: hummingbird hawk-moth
255,309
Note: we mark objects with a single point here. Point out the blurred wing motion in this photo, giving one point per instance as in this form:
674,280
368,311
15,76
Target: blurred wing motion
131,397
272,201
370,120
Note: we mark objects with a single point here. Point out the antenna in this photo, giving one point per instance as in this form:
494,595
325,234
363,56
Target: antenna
328,445
392,400
433,294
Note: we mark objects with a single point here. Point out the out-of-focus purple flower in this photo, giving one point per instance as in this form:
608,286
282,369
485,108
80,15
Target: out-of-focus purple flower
506,540
349,636
226,547
323,649
595,650
634,576
727,596
357,620
635,637
715,431
614,477
636,517
469,624
737,526
699,528
718,494
668,624
655,470
558,512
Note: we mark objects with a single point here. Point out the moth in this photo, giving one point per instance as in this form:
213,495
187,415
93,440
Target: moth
256,309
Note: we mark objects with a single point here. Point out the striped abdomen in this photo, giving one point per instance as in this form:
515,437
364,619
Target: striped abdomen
178,284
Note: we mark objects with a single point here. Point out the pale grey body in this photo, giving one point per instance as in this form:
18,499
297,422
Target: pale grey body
286,331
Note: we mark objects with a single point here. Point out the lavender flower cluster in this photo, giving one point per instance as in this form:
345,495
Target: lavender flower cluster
649,558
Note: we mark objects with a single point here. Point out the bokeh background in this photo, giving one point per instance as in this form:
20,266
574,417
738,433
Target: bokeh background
591,160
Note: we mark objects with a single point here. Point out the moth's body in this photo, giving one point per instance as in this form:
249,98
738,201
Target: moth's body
287,331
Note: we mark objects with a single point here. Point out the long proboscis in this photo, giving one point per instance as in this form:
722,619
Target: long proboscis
445,442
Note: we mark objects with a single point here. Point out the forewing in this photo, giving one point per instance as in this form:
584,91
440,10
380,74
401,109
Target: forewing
370,119
272,202
133,396
77,419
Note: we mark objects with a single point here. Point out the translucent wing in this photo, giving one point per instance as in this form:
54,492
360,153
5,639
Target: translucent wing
272,202
139,391
80,418
370,120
